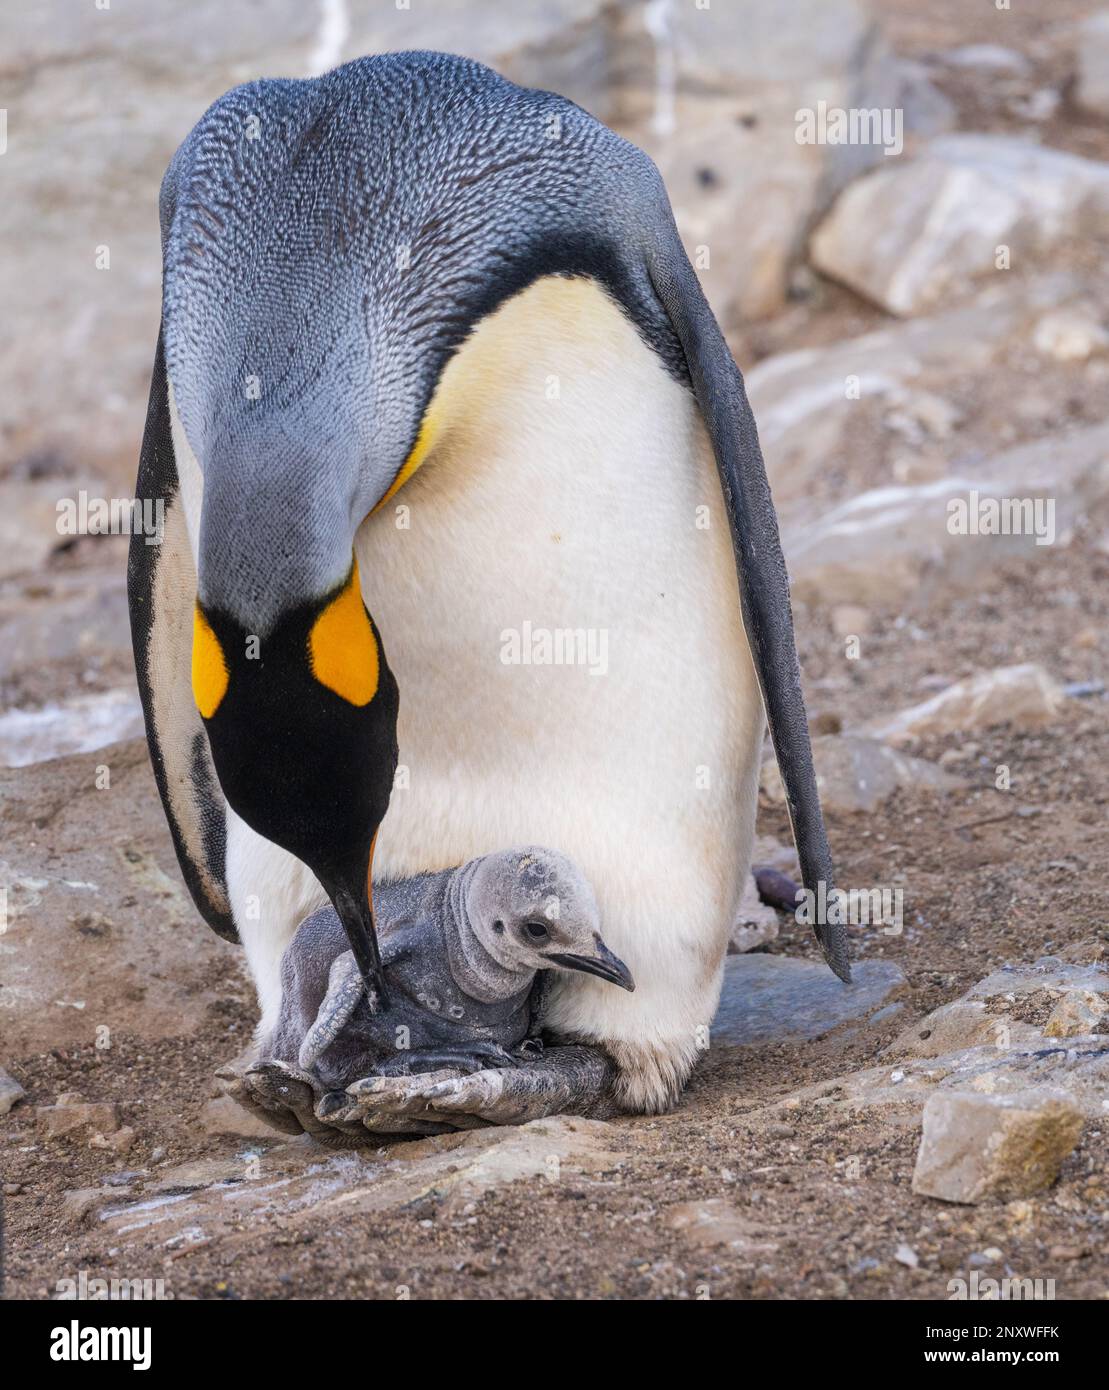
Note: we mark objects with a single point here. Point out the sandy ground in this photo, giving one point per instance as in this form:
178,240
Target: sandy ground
1005,890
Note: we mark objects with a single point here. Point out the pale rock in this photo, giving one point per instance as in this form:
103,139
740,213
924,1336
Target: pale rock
755,923
463,1166
716,1222
1092,48
222,1115
910,233
79,1204
974,1044
56,1121
964,1023
987,56
1070,335
119,1141
976,1147
1078,1012
1038,106
713,94
919,415
807,401
1023,697
889,543
857,773
907,1256
11,1092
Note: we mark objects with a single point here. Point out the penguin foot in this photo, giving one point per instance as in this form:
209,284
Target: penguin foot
287,1098
576,1080
295,1102
478,1057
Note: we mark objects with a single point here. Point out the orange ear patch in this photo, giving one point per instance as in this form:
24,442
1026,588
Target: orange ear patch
342,648
209,666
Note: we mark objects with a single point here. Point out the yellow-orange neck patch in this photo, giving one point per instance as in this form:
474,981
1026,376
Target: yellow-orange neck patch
342,648
209,666
425,438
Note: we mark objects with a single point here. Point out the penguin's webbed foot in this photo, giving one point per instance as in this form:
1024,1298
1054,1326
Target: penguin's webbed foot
575,1080
465,1058
296,1102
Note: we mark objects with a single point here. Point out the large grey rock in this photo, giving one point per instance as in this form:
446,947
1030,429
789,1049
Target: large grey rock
955,1027
855,773
883,544
779,999
978,1146
297,1183
910,233
984,1015
1024,697
807,402
990,1042
713,94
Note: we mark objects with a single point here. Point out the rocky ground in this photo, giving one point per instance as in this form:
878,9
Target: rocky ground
955,687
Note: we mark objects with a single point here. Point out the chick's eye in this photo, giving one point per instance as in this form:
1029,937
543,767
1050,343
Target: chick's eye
536,931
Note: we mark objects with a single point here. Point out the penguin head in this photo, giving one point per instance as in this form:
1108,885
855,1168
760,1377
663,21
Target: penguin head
533,909
301,723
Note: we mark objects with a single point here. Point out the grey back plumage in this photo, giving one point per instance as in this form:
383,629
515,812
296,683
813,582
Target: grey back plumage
333,241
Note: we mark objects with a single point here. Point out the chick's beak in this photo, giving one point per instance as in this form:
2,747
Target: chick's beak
602,963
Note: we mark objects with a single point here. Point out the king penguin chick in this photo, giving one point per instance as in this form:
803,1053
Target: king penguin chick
461,951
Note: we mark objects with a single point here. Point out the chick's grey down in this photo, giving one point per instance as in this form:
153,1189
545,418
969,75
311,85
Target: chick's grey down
463,951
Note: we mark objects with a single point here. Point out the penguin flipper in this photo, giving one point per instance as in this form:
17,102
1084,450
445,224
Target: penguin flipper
161,596
763,581
345,988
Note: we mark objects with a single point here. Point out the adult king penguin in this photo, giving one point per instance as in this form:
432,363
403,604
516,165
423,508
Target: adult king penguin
412,274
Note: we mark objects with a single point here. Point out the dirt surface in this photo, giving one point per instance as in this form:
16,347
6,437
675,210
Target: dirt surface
1008,888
